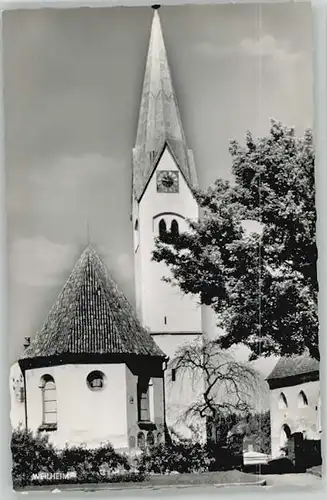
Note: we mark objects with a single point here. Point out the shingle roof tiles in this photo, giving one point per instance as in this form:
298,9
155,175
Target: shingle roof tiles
91,316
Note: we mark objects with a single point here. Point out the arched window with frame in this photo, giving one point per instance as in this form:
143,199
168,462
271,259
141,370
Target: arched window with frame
282,402
285,435
302,400
159,438
132,442
49,400
141,441
174,227
150,439
162,228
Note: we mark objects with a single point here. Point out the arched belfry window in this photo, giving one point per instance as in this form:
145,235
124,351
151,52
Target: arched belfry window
162,228
302,400
282,402
174,228
49,400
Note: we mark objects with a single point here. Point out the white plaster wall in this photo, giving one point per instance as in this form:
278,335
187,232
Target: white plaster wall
181,393
156,401
305,420
17,407
209,323
84,416
159,299
161,307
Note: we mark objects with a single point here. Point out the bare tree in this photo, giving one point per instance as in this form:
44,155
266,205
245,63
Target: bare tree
226,386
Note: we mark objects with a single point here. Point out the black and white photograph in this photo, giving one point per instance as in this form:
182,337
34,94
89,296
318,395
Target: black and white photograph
161,238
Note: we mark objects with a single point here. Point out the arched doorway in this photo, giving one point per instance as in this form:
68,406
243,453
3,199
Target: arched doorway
285,434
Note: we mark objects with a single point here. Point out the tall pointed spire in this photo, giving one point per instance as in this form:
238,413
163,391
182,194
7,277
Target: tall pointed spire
159,119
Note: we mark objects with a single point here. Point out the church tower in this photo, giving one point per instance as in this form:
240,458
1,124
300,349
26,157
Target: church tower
164,178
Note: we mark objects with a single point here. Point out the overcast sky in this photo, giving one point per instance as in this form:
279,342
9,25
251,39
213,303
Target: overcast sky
73,81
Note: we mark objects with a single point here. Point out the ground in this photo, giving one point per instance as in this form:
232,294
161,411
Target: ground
192,484
293,481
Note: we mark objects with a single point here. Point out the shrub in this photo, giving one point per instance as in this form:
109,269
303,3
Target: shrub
93,464
183,457
32,454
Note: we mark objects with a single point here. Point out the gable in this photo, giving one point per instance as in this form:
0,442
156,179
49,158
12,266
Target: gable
166,160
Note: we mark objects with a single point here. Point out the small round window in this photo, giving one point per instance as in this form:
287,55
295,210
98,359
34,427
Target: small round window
96,380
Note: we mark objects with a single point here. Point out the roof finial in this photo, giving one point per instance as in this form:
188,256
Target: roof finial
156,6
88,233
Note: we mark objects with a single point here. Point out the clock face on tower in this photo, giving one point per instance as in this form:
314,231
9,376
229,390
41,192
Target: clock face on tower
167,181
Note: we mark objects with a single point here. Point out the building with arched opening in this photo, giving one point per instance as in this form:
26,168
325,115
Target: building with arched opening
92,374
96,371
294,402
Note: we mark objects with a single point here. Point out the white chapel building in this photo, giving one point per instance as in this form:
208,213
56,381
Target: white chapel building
98,371
92,374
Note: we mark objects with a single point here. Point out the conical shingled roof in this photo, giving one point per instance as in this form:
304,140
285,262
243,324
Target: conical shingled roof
159,119
91,316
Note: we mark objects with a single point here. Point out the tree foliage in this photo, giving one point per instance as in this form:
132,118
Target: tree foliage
34,453
183,456
255,429
262,285
31,454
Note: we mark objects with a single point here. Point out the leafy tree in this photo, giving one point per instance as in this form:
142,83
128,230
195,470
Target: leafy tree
262,285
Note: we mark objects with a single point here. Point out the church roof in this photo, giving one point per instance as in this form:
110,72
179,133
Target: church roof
159,119
91,316
292,366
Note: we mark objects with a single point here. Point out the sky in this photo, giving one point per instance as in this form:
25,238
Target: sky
72,89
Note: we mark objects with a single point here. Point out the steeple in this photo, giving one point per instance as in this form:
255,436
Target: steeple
159,119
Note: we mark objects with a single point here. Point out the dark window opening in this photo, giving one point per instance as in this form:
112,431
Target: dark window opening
95,380
173,375
165,320
174,228
302,400
162,229
282,402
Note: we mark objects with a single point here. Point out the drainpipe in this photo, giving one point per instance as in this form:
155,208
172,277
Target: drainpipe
165,364
26,345
25,400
